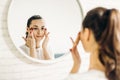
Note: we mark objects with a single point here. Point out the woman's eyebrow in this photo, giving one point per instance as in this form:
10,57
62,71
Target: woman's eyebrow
42,26
35,25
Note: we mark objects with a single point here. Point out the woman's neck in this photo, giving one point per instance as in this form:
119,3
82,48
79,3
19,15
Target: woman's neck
95,62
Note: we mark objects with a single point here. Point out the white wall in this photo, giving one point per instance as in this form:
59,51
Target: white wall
14,66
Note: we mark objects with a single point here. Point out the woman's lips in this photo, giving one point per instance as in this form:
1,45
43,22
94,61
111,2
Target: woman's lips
39,36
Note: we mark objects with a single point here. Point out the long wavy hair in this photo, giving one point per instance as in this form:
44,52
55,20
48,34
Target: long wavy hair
105,25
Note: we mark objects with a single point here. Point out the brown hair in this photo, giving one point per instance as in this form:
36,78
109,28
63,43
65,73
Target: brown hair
105,25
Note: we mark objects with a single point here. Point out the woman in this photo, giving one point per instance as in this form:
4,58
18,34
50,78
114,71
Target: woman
100,37
36,40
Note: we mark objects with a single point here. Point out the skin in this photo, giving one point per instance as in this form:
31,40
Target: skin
36,33
87,39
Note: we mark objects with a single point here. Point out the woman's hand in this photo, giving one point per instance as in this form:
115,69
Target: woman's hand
30,42
44,46
46,39
75,55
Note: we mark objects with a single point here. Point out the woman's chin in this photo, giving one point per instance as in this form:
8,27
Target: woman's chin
39,38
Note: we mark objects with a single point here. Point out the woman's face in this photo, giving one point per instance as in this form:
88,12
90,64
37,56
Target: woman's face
37,26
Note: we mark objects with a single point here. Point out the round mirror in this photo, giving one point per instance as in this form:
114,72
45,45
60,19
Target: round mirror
58,19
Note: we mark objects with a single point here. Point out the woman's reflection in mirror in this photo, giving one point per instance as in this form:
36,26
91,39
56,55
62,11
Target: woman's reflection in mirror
37,38
100,37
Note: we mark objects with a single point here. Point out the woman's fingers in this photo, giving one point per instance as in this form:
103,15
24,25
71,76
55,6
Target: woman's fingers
72,40
24,39
46,33
77,39
76,42
30,33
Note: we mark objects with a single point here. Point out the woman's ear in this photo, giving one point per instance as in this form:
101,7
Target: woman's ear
87,34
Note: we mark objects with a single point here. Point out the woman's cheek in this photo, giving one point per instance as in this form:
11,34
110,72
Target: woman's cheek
34,32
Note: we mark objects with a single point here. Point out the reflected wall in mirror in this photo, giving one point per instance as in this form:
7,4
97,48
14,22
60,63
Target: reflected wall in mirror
54,21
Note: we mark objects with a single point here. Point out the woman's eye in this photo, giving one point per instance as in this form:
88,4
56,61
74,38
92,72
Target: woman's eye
35,28
42,28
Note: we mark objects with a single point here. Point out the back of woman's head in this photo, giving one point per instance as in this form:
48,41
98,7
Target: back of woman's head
105,25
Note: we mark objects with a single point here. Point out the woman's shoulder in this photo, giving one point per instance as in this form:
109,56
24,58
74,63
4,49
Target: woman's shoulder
89,75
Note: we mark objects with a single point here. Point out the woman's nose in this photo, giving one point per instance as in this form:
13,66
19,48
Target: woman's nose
38,31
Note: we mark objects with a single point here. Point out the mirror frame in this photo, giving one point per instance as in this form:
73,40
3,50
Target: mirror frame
44,61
